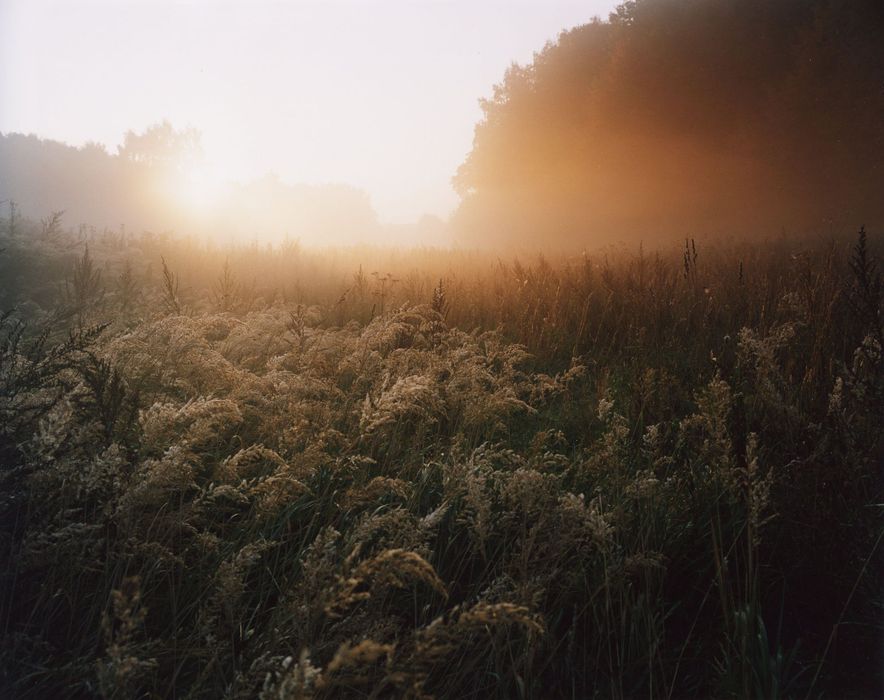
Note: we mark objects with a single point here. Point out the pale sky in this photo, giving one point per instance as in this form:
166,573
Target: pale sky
381,95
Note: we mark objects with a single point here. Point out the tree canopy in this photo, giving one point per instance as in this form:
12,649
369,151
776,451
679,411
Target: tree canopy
676,117
161,145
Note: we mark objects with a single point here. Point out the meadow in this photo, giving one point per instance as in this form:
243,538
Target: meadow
288,473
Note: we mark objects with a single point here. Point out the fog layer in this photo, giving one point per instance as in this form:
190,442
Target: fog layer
156,182
672,118
685,117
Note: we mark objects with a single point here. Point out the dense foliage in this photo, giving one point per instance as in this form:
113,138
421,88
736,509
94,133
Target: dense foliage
630,475
729,116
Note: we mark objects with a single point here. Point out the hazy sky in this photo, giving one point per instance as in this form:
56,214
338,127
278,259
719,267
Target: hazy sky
382,95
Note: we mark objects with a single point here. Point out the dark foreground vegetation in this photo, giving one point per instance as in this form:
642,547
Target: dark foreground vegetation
274,474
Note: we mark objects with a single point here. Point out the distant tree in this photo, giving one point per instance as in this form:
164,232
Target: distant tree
51,225
162,146
140,185
14,217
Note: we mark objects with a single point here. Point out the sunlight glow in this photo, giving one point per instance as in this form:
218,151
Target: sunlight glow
382,96
199,190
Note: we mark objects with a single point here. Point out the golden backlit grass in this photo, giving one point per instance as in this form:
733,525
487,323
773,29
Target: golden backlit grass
274,473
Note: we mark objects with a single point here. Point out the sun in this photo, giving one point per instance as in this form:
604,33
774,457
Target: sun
198,189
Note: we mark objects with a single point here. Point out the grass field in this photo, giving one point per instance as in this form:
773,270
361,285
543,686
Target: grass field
284,473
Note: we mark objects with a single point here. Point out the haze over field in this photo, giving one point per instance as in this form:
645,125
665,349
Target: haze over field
441,349
401,122
378,96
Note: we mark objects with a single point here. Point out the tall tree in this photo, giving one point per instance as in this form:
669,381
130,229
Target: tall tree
682,116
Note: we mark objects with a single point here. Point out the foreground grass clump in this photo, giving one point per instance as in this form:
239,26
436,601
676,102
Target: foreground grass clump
656,476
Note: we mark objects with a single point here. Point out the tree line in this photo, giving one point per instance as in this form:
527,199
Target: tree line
684,117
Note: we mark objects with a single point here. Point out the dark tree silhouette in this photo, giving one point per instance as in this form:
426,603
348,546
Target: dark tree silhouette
677,117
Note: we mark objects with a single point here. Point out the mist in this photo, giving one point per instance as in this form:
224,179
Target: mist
307,395
670,119
683,118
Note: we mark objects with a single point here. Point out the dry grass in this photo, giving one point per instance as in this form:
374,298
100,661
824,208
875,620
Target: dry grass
624,475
